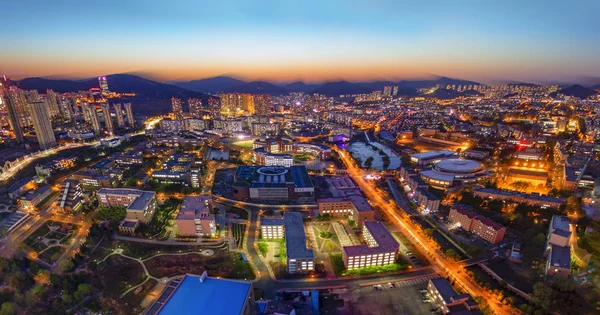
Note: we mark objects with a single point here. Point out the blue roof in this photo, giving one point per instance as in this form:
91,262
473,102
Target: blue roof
212,296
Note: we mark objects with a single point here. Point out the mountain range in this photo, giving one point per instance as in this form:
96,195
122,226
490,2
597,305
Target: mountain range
144,88
148,89
228,84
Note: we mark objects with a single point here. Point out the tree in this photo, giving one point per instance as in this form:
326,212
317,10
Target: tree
67,298
452,254
8,308
369,162
82,291
65,265
111,213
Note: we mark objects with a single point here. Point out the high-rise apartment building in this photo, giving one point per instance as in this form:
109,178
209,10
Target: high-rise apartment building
66,109
119,115
177,108
13,114
107,119
387,90
263,104
52,103
195,105
92,115
395,91
129,114
42,125
103,83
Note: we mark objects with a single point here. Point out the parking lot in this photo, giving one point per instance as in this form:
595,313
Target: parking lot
401,297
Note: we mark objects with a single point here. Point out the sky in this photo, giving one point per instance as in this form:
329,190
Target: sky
284,41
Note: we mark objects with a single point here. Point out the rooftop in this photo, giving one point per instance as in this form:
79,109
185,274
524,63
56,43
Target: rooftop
432,154
560,222
444,289
295,237
560,257
458,165
207,296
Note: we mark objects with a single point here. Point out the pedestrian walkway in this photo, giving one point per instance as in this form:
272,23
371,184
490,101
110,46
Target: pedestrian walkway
414,282
343,236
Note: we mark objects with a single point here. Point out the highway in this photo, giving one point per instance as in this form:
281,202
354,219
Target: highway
397,216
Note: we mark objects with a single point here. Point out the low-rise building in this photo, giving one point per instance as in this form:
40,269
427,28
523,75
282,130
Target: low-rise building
478,225
129,226
205,295
30,201
426,158
266,158
355,207
92,180
194,217
300,259
558,247
447,299
140,205
427,201
70,196
381,248
535,200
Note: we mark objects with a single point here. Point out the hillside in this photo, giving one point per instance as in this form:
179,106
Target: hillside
209,85
259,87
576,91
341,87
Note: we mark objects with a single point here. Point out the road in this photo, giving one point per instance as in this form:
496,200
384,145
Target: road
40,154
397,216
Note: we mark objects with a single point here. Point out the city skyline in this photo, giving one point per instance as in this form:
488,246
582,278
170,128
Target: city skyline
270,41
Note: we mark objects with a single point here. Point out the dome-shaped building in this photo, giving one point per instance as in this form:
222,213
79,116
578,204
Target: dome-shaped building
447,173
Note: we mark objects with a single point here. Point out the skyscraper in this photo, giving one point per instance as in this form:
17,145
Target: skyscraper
177,108
107,119
129,114
103,83
13,115
119,115
263,104
85,112
395,91
195,105
74,105
42,125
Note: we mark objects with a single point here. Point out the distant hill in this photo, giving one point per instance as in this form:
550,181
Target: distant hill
576,91
341,87
259,87
450,94
442,81
144,88
209,85
301,87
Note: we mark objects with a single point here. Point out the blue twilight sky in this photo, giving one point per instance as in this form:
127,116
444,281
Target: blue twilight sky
538,41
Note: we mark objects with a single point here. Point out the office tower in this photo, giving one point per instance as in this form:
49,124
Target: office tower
395,91
107,119
52,103
66,109
119,115
129,114
42,125
177,108
103,83
195,105
93,118
13,115
248,103
387,90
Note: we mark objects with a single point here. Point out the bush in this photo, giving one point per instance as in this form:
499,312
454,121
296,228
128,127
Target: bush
325,235
263,248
